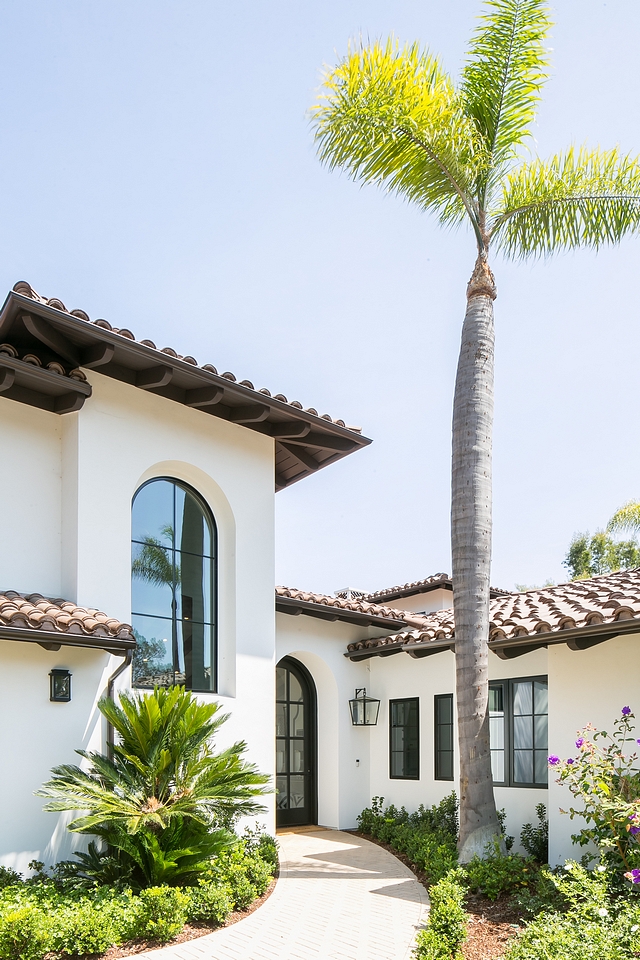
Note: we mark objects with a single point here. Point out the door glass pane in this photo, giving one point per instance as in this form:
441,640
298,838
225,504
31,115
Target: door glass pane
281,719
541,696
541,766
152,513
281,683
522,698
497,765
282,795
541,725
523,733
295,690
296,792
281,756
296,714
151,580
297,756
523,766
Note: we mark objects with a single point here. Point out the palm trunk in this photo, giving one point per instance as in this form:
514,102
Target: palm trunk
471,556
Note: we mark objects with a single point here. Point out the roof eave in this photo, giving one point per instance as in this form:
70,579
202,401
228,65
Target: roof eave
54,640
321,611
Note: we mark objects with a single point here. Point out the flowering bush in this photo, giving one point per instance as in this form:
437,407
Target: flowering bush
605,778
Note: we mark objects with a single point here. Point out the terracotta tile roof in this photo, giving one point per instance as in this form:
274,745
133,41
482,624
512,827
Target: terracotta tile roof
546,613
26,290
438,580
354,604
34,612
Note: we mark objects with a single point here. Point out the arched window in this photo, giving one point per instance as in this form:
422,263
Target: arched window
173,587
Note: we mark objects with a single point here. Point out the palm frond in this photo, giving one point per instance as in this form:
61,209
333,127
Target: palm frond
502,78
626,518
390,116
579,198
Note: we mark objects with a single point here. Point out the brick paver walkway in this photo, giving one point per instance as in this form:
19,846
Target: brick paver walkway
338,898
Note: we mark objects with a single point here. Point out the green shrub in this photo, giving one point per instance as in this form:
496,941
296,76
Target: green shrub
88,927
8,877
427,837
210,902
161,913
25,933
499,874
535,840
447,923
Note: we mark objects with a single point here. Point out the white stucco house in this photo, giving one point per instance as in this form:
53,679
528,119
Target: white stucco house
139,483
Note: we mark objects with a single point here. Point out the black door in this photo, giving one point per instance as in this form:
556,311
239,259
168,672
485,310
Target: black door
295,745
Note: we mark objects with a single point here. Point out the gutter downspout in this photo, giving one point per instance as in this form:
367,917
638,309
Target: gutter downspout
128,657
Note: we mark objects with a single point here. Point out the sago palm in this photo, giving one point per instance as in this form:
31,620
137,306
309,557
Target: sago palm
165,795
392,116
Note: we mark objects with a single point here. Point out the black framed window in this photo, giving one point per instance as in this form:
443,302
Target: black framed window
518,723
173,595
404,739
443,726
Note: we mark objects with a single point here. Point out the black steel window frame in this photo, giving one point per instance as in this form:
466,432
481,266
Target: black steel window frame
508,695
213,530
392,726
438,751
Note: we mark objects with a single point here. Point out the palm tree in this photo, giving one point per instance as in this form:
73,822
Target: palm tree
626,519
392,116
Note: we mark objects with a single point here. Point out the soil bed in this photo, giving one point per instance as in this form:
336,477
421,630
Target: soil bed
491,922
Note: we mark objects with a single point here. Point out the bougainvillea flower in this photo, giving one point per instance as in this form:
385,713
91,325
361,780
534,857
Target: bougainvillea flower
569,759
626,711
579,742
633,875
553,760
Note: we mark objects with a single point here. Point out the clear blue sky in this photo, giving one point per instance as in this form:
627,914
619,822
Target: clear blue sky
158,170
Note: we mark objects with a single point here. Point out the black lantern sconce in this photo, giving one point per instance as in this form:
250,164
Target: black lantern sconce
60,686
364,709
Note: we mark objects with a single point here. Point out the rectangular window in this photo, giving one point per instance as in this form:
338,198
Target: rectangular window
518,725
443,725
404,746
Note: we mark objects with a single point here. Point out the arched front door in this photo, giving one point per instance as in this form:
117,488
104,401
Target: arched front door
295,744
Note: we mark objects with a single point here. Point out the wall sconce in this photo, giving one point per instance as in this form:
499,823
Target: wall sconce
364,709
60,686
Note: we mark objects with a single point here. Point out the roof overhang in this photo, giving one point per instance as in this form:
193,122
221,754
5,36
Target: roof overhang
322,611
54,640
577,638
304,443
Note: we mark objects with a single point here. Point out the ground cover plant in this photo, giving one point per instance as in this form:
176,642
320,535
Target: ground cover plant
161,810
63,913
567,913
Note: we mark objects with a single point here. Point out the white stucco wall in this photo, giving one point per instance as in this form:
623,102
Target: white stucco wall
427,602
585,686
67,533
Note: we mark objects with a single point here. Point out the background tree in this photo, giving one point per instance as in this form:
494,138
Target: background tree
163,803
392,116
589,555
